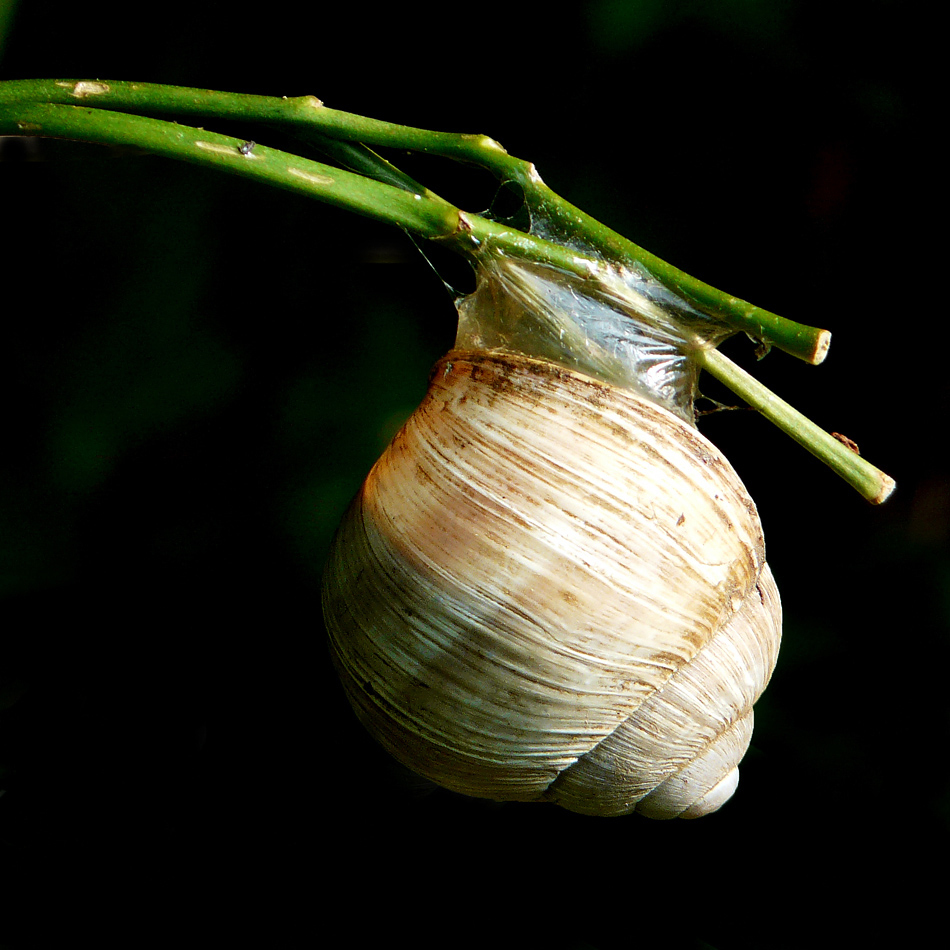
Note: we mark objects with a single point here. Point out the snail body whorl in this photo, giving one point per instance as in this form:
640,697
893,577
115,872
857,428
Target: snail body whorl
550,588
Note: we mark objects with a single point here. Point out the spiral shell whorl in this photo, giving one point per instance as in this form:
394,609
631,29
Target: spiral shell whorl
537,560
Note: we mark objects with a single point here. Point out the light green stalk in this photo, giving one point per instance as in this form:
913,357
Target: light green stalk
871,482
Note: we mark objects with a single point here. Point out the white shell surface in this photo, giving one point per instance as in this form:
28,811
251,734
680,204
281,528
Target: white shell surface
679,743
534,558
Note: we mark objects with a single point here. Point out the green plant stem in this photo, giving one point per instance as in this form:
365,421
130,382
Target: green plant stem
871,482
308,113
424,213
427,216
107,113
386,197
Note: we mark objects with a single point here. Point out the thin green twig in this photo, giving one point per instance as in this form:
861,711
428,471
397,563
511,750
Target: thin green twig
308,113
871,482
108,113
426,215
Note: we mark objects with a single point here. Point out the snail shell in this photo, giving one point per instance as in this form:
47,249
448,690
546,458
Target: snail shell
551,589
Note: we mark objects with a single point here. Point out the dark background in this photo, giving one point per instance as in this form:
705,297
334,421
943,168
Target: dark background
198,371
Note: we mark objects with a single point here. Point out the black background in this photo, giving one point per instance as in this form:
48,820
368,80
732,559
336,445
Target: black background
197,372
